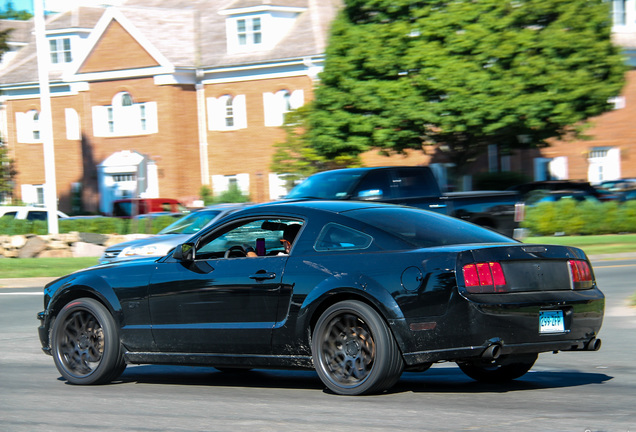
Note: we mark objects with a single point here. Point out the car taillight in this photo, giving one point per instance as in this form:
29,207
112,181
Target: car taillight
484,277
581,274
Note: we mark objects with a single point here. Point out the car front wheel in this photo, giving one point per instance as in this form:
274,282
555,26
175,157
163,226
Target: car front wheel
85,343
354,351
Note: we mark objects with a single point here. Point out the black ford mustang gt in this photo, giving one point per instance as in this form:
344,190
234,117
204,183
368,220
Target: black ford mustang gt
366,292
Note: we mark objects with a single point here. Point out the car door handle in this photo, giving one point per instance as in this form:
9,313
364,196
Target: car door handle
437,206
263,275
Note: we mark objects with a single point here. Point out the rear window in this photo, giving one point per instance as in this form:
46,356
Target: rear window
421,228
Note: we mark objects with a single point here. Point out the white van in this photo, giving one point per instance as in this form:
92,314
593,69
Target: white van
28,213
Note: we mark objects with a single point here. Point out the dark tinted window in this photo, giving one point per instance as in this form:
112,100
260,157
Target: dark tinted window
425,229
36,215
327,185
374,184
338,237
415,182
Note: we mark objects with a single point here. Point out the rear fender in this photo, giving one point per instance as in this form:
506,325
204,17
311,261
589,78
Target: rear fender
353,286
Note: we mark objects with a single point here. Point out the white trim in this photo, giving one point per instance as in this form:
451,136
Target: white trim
128,73
262,8
114,14
176,78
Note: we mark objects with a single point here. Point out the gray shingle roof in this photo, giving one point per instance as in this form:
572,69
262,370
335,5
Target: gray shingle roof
177,27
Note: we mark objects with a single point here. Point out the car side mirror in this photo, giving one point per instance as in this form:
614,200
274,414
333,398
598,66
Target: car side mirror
184,252
370,194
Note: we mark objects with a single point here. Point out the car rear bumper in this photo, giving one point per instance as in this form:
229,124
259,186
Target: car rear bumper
510,323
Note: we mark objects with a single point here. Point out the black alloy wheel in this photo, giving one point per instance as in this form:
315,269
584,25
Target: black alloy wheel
85,343
501,370
354,351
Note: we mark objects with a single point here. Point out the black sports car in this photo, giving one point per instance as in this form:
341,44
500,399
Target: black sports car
358,291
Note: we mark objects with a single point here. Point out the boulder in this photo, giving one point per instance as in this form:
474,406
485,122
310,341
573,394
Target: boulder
32,247
83,249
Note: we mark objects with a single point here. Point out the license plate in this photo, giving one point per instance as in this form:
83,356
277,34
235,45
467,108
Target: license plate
551,322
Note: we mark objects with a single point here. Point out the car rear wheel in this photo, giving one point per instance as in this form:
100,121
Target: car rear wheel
501,370
85,343
354,351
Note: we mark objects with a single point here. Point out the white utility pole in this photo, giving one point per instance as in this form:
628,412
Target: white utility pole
45,118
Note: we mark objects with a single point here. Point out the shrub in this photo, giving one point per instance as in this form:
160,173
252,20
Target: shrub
569,217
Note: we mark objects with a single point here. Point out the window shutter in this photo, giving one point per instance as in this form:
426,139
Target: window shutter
240,112
72,124
152,122
219,184
100,121
216,116
297,99
23,127
272,112
243,181
29,194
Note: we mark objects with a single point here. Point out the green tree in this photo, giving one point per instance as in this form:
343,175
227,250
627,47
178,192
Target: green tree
296,157
7,174
460,75
12,14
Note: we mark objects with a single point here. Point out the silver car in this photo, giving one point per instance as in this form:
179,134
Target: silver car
169,237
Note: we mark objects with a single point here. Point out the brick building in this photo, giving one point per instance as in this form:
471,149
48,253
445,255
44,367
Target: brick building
160,97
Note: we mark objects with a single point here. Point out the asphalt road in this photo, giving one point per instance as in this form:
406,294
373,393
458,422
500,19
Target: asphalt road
582,391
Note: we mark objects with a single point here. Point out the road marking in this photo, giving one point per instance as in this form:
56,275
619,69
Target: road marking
21,293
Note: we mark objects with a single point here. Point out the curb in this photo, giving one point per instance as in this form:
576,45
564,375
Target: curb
35,282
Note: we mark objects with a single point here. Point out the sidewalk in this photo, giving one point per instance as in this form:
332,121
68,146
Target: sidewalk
14,283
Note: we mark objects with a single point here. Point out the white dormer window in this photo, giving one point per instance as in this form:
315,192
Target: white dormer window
61,50
258,28
125,117
249,32
623,15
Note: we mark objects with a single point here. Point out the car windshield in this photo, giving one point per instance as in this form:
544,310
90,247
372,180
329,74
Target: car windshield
191,223
426,229
328,185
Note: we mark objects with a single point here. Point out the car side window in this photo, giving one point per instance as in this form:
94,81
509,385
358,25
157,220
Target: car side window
262,235
376,184
339,237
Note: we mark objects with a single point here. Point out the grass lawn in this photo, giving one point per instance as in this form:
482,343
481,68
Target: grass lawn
42,267
592,245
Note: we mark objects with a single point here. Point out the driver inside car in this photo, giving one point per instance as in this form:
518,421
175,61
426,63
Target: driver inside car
289,234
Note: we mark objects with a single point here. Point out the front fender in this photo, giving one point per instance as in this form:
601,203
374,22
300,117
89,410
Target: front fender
81,285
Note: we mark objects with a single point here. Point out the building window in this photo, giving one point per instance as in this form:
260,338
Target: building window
125,117
36,126
619,12
249,31
227,113
28,127
603,164
280,103
60,50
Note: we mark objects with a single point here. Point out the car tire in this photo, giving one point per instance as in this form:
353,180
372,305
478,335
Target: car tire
354,351
85,343
500,370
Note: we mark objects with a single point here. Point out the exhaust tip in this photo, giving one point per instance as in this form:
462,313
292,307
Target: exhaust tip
594,344
492,352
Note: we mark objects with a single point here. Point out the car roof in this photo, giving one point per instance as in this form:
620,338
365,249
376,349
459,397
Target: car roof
323,205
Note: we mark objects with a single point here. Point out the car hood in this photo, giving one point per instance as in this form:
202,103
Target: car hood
164,239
